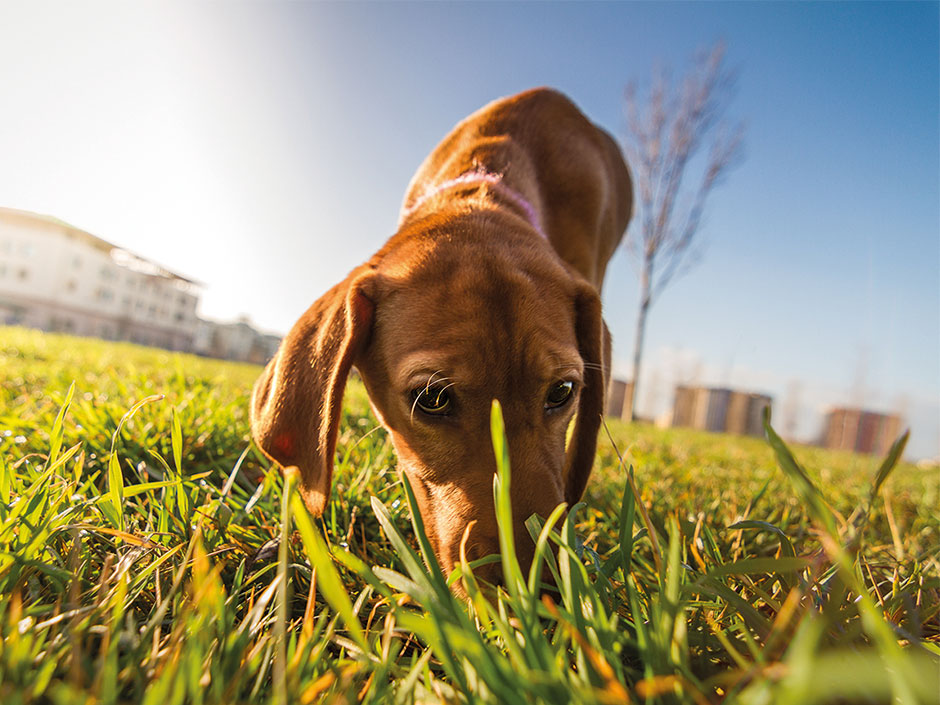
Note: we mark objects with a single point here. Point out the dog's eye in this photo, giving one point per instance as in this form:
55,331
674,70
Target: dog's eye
432,399
559,394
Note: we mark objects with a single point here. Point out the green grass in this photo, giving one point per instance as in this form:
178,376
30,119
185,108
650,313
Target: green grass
145,558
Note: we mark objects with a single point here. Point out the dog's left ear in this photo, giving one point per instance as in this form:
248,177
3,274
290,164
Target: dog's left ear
296,404
594,346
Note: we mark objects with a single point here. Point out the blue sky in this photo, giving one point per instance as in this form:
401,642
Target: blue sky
264,148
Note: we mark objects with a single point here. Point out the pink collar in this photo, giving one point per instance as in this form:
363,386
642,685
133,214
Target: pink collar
480,176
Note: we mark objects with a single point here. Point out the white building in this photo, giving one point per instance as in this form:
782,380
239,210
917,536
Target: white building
56,277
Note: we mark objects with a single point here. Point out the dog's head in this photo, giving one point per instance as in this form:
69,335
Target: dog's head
439,324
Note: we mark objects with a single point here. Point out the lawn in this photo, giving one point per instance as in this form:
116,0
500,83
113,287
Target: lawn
149,555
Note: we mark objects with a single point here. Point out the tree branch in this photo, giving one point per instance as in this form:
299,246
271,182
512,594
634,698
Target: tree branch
665,135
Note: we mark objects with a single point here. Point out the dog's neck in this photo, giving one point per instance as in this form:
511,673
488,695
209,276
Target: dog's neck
480,177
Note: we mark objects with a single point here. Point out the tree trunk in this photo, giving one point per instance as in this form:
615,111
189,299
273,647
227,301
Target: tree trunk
640,331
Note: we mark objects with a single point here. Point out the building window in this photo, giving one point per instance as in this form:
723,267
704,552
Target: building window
77,262
71,286
24,274
27,249
105,294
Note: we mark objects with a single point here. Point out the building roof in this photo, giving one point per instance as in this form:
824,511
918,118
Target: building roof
122,256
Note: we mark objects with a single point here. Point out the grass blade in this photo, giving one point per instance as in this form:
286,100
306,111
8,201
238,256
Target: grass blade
627,517
512,575
116,489
404,552
177,442
807,489
6,482
115,474
328,580
283,587
427,551
55,437
889,464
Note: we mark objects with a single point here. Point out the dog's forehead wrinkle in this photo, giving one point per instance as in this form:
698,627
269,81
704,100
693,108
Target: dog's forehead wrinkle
427,367
506,355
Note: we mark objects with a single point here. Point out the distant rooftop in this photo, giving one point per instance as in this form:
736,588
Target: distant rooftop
122,256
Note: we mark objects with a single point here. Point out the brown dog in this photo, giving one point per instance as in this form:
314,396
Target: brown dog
489,290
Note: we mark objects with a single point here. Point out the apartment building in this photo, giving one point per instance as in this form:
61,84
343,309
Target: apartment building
860,430
720,410
56,277
619,398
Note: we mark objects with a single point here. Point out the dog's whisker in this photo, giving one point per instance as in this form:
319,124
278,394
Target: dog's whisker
430,385
431,380
411,418
444,389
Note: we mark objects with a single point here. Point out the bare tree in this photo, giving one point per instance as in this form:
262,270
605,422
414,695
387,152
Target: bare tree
664,136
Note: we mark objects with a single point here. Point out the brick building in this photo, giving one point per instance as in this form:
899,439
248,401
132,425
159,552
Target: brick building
720,410
619,398
860,431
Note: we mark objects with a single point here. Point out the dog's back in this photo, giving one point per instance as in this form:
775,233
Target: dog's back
570,170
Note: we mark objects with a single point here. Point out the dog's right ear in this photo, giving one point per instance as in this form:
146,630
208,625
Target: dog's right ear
296,403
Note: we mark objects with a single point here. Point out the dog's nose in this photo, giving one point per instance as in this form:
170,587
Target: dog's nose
491,573
481,546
